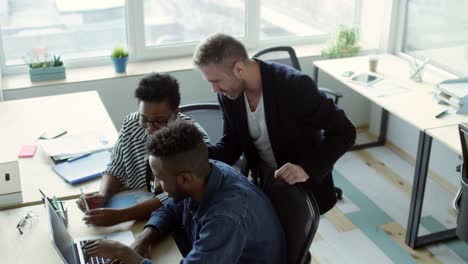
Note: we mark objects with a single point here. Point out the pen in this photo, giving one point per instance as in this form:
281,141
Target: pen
56,202
82,197
48,199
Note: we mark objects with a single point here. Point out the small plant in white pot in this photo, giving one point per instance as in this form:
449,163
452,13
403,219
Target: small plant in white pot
119,58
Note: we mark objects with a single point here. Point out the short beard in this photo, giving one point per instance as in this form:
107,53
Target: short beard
241,90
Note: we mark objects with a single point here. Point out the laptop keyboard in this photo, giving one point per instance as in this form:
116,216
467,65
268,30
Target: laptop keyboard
92,260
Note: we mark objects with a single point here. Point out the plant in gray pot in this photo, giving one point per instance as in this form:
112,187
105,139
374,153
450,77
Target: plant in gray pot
45,68
344,43
119,59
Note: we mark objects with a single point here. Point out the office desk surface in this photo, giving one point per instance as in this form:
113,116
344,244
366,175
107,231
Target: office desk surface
448,136
416,106
23,121
35,246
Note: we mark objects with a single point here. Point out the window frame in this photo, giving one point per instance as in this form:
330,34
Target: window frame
134,17
400,38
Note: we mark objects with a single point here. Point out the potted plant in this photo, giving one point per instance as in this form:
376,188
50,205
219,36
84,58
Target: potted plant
119,58
43,67
343,44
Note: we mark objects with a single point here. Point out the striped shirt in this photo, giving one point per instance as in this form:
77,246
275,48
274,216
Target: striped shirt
129,157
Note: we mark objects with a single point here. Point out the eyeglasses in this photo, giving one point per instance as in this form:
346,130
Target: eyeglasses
144,121
26,222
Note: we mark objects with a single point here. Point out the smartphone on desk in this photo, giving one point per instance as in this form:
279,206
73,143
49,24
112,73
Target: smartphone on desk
53,133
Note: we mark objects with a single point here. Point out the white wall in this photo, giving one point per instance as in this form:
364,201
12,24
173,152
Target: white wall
1,90
117,93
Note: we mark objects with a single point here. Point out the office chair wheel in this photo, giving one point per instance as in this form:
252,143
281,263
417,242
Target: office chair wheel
339,193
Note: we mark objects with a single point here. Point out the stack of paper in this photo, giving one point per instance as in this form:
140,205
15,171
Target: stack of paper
387,88
453,93
75,145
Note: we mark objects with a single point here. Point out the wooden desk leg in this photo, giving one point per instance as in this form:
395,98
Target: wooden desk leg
383,127
417,199
382,134
315,74
419,186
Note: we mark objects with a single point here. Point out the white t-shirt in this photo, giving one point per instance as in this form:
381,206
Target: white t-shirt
259,133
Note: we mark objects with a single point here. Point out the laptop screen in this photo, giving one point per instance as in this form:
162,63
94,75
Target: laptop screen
61,239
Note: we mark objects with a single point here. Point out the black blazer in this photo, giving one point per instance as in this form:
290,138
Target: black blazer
305,128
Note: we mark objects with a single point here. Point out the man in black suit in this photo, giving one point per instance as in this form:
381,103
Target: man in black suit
276,116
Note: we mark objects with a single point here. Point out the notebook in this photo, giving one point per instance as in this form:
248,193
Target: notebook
73,145
128,198
71,251
85,168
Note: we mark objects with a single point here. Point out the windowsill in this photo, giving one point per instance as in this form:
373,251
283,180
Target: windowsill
75,75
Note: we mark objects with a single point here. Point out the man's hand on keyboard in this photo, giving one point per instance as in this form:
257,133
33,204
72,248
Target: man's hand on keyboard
114,250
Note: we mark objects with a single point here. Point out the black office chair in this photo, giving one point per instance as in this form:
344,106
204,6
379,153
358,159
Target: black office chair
299,215
210,117
273,53
461,201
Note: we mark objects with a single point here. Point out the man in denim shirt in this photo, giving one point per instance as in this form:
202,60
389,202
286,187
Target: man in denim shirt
224,217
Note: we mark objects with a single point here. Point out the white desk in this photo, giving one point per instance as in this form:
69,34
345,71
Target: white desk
416,107
23,121
35,246
448,136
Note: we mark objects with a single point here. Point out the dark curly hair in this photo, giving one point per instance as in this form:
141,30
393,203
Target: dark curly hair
156,87
180,145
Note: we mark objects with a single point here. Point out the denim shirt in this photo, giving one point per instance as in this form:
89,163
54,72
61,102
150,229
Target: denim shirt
234,223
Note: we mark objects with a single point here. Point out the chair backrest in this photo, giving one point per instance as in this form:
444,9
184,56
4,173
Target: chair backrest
299,215
209,116
274,53
461,201
463,130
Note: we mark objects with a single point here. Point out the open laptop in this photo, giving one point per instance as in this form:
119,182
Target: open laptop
71,250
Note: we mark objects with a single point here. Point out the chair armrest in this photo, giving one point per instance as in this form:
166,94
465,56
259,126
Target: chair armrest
336,95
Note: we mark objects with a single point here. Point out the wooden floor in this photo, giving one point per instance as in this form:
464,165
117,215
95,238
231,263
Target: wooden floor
369,225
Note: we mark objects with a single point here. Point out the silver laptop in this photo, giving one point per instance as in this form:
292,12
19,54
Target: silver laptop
71,250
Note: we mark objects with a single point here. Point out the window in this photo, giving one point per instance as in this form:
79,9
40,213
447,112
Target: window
436,29
86,29
73,29
185,21
302,18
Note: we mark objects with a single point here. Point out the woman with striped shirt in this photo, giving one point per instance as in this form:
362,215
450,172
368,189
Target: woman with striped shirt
158,104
